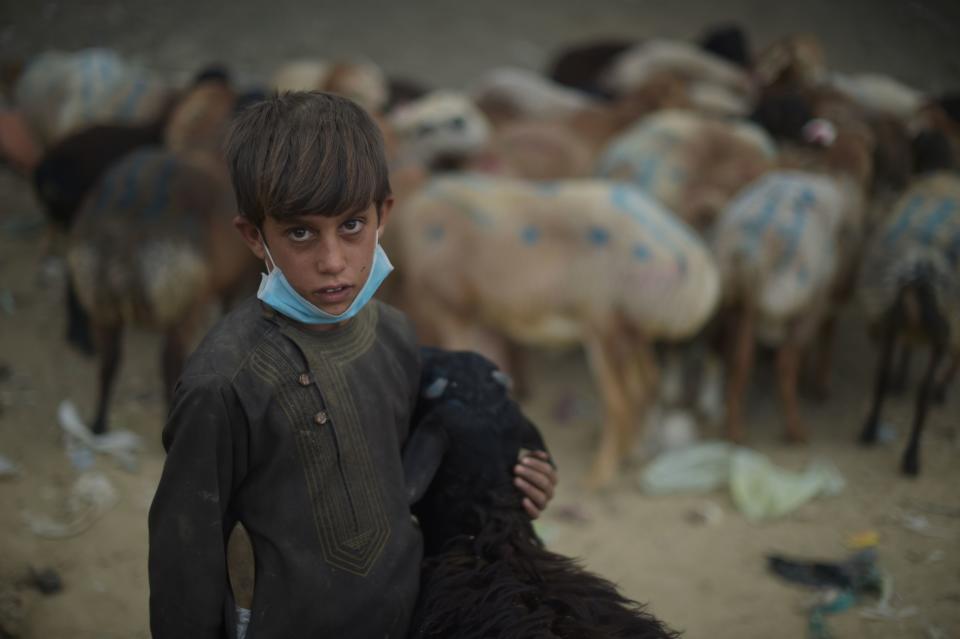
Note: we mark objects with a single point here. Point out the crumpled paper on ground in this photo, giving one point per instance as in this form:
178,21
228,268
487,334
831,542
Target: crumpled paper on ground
759,489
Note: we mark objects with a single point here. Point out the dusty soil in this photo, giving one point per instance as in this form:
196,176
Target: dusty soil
709,580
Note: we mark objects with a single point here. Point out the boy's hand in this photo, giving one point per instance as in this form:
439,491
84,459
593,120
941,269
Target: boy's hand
536,479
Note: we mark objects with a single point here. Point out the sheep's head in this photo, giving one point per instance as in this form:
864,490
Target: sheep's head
440,126
469,430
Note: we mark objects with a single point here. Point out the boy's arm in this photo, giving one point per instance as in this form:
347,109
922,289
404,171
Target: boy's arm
188,518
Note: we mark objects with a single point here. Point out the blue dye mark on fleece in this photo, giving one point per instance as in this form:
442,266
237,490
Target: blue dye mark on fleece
129,106
161,196
435,232
640,252
631,202
130,180
530,235
792,232
914,204
755,227
598,236
646,172
936,219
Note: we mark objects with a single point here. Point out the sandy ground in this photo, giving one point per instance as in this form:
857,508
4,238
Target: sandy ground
709,580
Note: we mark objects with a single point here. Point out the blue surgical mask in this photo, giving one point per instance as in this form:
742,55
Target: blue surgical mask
277,293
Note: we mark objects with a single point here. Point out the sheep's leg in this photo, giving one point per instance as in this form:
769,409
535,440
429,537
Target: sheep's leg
176,345
901,371
788,366
602,357
940,388
820,385
641,376
911,458
109,341
517,369
739,363
882,381
78,322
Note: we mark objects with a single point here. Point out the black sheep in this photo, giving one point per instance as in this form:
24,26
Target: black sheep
485,572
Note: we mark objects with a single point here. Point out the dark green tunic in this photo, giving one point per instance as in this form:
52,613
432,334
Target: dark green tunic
297,434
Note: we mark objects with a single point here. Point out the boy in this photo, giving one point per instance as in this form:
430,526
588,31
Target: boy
291,415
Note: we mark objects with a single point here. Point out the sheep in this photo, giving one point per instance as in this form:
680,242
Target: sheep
446,131
796,61
361,81
511,93
709,74
879,93
786,247
581,66
562,263
60,93
692,164
910,290
441,129
152,243
485,571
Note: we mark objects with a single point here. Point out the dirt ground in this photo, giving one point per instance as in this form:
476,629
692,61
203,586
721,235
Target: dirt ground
709,580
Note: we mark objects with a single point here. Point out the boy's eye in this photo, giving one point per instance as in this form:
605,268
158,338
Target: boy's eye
352,226
300,234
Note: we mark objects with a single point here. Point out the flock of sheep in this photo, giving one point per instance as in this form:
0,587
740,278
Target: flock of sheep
639,194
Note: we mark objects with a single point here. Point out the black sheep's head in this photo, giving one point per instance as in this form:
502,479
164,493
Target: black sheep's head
467,436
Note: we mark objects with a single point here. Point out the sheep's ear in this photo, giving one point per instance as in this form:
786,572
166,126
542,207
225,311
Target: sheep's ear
422,456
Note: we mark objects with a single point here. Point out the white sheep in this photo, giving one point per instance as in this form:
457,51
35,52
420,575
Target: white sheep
720,84
692,163
586,262
60,93
526,94
785,247
361,81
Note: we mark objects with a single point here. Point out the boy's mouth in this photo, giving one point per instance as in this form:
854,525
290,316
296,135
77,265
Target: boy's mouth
333,294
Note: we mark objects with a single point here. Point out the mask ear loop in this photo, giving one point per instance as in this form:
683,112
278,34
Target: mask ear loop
272,264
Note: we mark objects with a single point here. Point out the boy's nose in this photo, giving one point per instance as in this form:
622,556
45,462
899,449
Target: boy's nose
332,260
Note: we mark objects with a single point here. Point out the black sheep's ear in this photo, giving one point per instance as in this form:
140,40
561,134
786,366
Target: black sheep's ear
423,454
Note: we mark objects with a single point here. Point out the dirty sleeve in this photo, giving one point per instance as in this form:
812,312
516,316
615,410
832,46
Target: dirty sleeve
191,518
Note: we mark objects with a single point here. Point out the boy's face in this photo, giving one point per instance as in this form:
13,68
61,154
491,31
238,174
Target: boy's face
325,259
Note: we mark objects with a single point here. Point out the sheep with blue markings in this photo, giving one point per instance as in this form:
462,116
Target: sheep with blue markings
910,290
587,262
693,164
60,93
152,244
787,249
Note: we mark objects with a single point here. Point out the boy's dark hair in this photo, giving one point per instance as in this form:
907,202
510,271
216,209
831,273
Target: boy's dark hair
305,153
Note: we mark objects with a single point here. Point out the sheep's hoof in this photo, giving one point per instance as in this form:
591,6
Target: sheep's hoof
938,396
910,465
796,436
868,436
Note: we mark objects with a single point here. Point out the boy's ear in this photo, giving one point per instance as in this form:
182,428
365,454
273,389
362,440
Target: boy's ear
385,209
251,235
